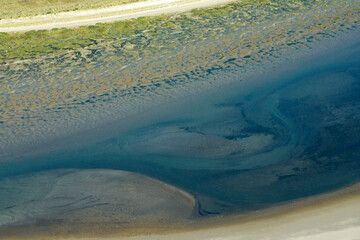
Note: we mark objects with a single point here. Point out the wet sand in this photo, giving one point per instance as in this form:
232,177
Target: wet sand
330,216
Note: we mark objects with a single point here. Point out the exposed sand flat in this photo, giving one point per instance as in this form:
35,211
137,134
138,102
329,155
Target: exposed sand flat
111,14
88,201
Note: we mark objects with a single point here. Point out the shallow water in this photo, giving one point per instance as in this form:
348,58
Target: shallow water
246,145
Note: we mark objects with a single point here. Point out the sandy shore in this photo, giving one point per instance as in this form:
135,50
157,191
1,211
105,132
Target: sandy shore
91,17
332,216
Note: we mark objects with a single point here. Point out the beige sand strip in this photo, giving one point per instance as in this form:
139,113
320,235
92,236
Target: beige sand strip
112,14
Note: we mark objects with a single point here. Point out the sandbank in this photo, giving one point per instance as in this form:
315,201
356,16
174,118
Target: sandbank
93,201
329,216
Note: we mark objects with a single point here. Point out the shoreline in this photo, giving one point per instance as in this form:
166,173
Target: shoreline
105,15
326,216
329,216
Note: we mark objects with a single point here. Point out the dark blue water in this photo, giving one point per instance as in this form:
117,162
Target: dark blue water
244,146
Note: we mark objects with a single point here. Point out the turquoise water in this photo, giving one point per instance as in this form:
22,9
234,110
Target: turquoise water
247,144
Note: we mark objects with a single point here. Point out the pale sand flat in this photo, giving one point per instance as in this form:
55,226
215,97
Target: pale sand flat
111,14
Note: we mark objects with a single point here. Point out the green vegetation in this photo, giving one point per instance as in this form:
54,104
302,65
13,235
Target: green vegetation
25,8
36,43
39,43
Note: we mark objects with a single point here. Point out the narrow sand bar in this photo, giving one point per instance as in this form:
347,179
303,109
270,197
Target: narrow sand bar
111,14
